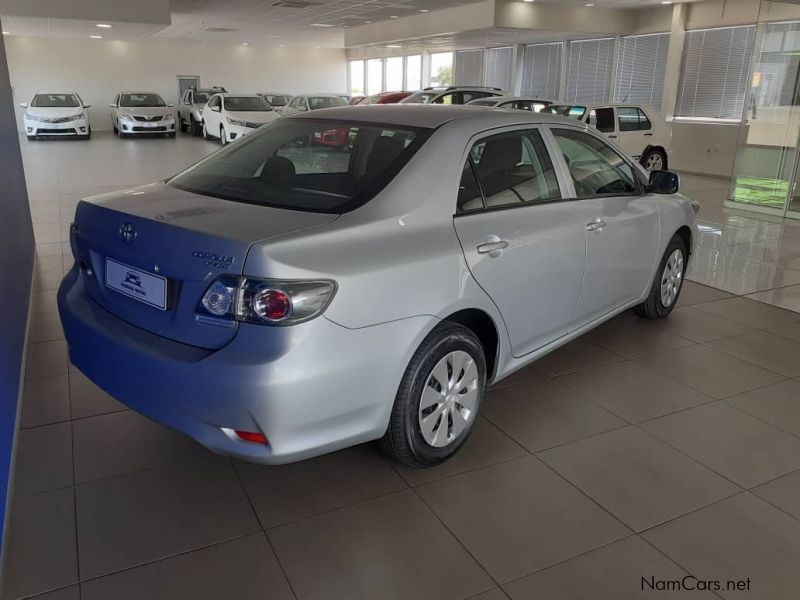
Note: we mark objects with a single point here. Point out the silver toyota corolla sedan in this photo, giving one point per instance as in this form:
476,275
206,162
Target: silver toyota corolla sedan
282,299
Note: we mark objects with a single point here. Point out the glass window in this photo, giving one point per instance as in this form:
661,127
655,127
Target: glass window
140,100
513,168
467,96
602,119
357,77
55,101
200,97
469,192
447,99
441,69
541,70
374,76
317,102
641,69
565,110
394,73
596,169
628,119
413,72
306,164
246,104
420,98
589,66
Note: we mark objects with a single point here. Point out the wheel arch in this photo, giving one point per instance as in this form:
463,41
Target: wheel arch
685,233
483,326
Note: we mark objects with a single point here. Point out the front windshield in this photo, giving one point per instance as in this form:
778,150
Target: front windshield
276,100
565,110
317,102
55,101
306,164
420,98
141,100
200,97
246,104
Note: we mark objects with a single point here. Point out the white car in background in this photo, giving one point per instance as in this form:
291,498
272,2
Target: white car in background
308,102
230,117
639,130
56,115
454,94
276,100
528,103
142,113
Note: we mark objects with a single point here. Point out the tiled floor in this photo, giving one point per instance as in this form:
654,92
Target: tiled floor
643,450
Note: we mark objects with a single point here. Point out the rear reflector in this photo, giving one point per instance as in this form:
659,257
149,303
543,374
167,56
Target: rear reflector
249,436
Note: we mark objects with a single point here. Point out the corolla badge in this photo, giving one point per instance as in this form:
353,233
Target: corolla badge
213,260
128,232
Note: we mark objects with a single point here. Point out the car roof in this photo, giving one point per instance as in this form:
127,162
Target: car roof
509,97
589,105
139,92
430,116
228,94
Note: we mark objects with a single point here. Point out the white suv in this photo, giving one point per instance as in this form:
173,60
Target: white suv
639,130
452,95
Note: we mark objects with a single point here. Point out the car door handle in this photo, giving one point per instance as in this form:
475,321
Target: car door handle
648,135
596,225
612,137
493,248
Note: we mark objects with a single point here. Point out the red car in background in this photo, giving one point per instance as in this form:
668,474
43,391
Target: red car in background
385,98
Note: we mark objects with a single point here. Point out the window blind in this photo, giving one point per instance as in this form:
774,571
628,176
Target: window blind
541,70
641,68
469,67
715,72
589,68
498,68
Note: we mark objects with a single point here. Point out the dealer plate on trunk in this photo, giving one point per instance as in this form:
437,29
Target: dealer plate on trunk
134,283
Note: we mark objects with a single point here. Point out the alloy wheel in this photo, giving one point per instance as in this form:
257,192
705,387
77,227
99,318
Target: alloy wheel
672,278
449,399
654,162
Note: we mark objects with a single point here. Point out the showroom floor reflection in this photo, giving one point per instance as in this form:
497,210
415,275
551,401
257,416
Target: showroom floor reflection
642,450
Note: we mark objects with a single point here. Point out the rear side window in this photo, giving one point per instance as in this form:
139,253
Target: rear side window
467,96
595,167
602,119
306,164
633,119
513,168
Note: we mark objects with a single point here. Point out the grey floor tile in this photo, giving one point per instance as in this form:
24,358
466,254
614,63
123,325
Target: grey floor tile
88,400
41,549
495,594
486,446
317,485
738,538
783,493
45,327
732,443
633,337
526,376
778,404
698,326
44,302
636,477
121,442
790,331
695,293
245,569
577,355
751,313
503,513
633,392
390,548
46,359
44,459
132,519
546,414
72,592
710,371
45,401
772,352
786,297
614,572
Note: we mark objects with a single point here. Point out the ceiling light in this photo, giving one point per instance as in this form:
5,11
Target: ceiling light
283,45
589,4
96,37
321,25
244,43
424,10
666,1
527,0
6,33
368,22
103,26
393,16
393,46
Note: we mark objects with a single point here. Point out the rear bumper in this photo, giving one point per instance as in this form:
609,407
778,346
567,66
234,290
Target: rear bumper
310,389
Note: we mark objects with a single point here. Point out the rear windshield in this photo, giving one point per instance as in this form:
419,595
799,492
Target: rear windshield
200,97
275,100
317,102
141,100
245,104
306,164
565,110
55,101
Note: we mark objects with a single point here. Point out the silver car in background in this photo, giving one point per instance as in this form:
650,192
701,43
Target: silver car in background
142,113
282,299
276,100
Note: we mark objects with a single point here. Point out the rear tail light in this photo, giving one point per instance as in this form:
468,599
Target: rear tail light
263,301
249,436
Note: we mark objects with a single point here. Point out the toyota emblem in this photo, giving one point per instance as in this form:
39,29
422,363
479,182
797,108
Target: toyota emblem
128,232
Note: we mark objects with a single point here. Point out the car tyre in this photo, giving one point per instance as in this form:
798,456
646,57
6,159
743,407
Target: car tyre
430,377
205,132
116,131
182,125
195,128
223,137
668,282
655,159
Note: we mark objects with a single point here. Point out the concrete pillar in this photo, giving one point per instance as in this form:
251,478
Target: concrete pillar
672,75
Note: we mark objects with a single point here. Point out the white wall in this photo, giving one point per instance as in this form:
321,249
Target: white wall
704,148
98,69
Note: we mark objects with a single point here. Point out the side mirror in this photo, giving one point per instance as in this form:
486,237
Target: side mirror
663,182
87,106
216,108
170,105
112,106
23,104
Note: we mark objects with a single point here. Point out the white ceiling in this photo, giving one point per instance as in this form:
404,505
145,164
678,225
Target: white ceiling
262,21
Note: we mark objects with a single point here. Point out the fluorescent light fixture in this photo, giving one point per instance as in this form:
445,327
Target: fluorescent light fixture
527,0
96,37
393,46
589,4
666,1
103,25
393,17
424,10
244,43
6,33
283,45
321,25
368,22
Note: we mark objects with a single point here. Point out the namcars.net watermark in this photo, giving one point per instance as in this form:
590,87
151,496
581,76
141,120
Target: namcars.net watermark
689,583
